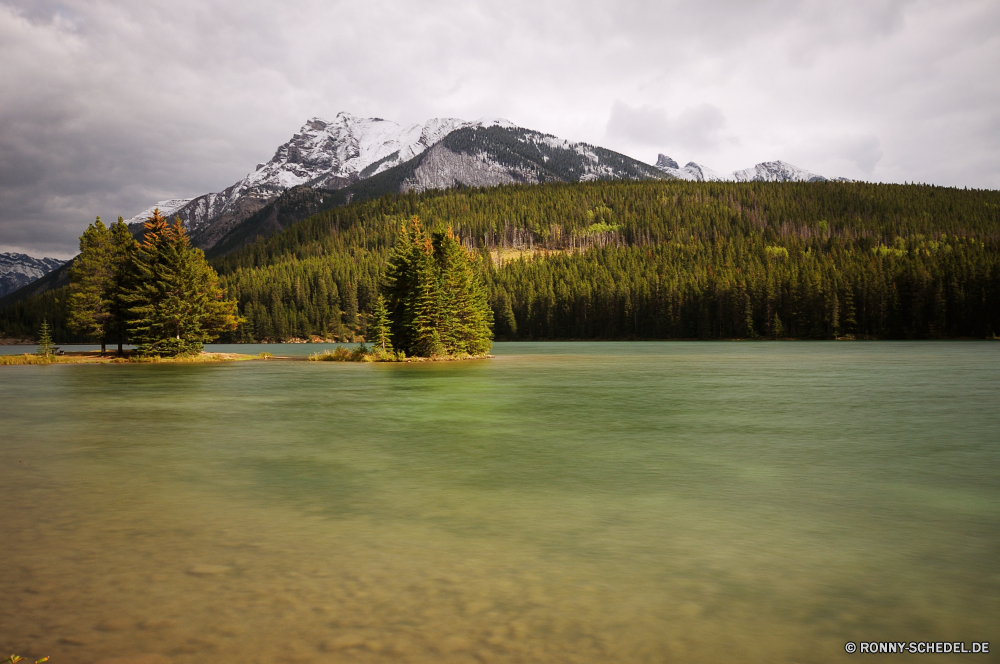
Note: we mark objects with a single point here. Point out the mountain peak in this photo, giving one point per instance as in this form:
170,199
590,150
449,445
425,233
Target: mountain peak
19,270
663,161
776,171
486,123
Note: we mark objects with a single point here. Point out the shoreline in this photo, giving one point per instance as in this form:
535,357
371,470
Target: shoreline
95,357
204,357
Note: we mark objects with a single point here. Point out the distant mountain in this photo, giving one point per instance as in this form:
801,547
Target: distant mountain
19,270
348,152
768,171
691,171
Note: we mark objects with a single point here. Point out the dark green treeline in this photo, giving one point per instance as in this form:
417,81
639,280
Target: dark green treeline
619,260
664,260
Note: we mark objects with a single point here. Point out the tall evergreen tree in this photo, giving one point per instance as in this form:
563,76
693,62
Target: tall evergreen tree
123,252
176,304
380,329
465,315
401,281
45,347
91,279
425,302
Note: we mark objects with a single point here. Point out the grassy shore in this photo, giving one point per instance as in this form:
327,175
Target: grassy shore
95,357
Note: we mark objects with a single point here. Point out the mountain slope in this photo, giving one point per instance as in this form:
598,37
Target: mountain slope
19,270
292,206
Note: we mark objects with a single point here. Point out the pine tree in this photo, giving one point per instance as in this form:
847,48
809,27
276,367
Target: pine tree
123,252
401,281
381,333
466,317
453,294
425,303
176,304
91,279
45,347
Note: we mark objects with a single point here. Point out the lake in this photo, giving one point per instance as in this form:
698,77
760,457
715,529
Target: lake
563,502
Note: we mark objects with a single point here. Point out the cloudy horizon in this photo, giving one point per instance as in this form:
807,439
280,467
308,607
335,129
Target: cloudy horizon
112,106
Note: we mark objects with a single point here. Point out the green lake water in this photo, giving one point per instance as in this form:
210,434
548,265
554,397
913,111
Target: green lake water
563,502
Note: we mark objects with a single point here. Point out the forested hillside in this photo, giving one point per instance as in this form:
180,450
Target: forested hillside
621,260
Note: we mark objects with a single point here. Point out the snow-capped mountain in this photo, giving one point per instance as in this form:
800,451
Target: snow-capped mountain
476,154
19,270
321,154
348,150
768,171
775,171
691,170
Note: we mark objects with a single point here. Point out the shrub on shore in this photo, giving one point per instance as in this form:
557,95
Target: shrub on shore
359,354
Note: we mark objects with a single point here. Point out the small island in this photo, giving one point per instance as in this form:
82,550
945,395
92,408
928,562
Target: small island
162,296
436,309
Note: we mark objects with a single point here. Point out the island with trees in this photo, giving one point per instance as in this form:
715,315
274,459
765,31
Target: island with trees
159,294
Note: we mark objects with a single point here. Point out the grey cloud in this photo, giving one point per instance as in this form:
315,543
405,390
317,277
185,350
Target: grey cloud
110,105
694,128
865,152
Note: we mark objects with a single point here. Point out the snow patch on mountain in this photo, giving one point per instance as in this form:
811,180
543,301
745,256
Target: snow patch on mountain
776,171
19,270
167,208
344,148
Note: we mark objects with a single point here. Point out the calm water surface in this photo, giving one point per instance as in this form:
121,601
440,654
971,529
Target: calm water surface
571,502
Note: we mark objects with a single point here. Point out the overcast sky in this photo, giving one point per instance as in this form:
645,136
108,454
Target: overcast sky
109,106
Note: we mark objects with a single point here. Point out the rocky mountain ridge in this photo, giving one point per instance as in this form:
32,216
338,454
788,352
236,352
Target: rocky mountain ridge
767,171
19,270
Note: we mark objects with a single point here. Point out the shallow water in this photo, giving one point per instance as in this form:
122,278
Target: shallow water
564,502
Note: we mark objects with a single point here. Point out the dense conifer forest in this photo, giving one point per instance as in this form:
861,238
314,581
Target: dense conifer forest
640,260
